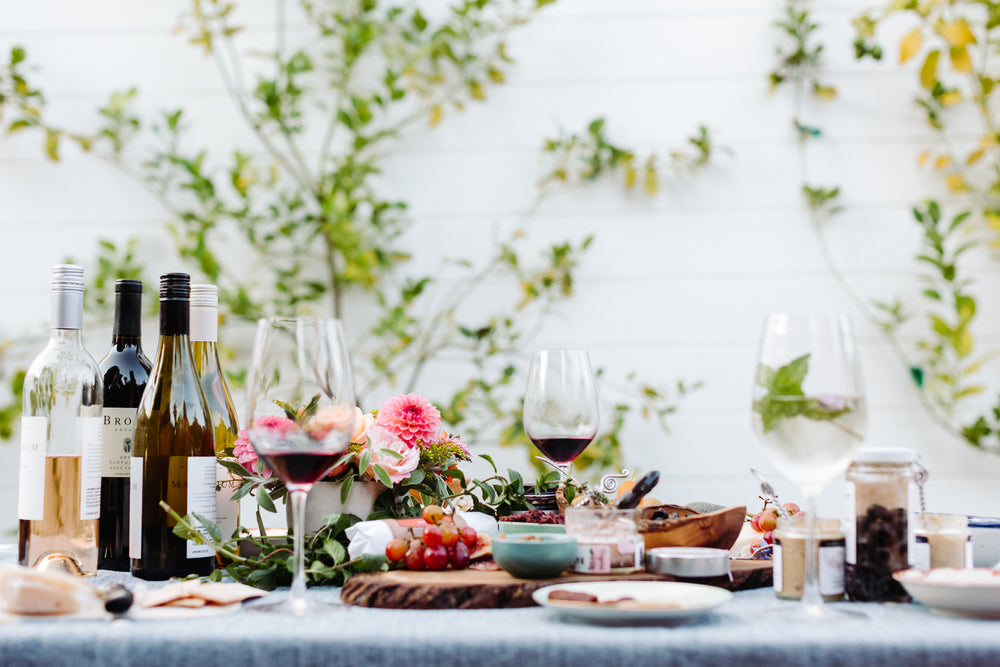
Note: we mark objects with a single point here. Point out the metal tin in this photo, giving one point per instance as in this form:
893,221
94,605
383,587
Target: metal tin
688,562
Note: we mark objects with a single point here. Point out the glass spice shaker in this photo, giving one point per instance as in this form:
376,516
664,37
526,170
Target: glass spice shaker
881,490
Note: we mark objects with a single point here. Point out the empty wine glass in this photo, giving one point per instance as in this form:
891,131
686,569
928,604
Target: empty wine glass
809,415
560,405
300,409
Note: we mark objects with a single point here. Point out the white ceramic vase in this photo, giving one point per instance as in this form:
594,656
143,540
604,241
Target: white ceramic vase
324,498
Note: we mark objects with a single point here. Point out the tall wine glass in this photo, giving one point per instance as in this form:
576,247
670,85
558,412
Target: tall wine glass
809,415
560,405
300,409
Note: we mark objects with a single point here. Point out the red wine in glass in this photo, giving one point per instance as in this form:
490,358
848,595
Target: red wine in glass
561,450
299,468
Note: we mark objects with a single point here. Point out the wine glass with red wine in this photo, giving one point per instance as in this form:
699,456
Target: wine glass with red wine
560,405
301,411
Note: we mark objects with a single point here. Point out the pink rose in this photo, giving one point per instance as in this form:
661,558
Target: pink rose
398,468
328,418
246,455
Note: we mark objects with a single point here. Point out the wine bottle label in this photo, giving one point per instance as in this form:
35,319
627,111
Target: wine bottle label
135,508
226,510
119,431
90,429
201,499
31,478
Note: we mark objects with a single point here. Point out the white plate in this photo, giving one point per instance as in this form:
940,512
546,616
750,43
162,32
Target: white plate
679,601
948,590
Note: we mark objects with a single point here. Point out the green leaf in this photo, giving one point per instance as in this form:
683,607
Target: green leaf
345,489
264,500
335,550
383,476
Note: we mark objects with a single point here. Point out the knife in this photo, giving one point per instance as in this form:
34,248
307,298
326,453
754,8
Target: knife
634,496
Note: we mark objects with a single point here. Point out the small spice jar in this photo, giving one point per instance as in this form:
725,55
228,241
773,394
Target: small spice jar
608,539
790,558
881,490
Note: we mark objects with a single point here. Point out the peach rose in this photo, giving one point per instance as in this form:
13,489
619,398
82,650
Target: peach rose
362,423
333,418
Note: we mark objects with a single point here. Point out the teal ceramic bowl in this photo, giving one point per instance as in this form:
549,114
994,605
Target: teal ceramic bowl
512,527
534,555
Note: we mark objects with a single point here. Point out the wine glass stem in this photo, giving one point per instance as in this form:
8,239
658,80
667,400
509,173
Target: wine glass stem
297,595
812,599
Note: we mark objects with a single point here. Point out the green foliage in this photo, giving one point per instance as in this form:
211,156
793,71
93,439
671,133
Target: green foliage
785,399
325,553
799,55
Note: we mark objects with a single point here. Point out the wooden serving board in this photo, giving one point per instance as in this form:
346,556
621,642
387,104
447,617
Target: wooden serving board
475,589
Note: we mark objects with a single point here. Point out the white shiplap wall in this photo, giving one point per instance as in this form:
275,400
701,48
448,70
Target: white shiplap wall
675,287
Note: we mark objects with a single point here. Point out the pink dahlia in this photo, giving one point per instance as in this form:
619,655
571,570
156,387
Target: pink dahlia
410,418
246,455
274,425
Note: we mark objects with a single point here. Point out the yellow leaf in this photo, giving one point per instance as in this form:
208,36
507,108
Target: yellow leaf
824,92
957,33
956,183
942,161
436,115
52,144
951,98
631,173
651,185
923,158
975,156
910,45
988,141
962,342
993,220
928,71
960,60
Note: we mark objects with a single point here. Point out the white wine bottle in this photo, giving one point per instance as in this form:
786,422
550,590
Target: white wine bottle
59,489
204,346
174,455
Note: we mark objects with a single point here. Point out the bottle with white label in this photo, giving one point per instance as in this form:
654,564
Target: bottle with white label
125,371
59,487
173,460
204,346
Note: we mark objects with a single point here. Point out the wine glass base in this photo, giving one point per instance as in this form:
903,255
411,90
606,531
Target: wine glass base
824,613
288,607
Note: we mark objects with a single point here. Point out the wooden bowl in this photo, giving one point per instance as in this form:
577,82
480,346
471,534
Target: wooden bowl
718,529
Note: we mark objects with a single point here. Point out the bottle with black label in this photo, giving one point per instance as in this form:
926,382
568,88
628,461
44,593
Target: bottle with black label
174,456
59,485
125,371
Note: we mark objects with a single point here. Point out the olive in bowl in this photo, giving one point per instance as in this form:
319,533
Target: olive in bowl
534,555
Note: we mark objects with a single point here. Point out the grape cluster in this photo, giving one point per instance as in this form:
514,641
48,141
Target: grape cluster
535,516
882,549
441,544
765,522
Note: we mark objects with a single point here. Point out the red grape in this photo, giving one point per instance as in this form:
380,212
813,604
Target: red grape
432,536
433,514
449,534
468,535
396,549
415,558
436,558
768,520
458,556
755,523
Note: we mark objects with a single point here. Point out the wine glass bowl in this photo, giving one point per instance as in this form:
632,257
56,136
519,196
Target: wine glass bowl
561,411
809,413
301,411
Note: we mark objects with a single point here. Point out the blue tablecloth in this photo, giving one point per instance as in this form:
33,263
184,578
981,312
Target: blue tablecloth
739,633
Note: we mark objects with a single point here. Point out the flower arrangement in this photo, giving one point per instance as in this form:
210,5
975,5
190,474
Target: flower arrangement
400,445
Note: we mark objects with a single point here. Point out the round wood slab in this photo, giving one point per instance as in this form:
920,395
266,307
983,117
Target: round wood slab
474,589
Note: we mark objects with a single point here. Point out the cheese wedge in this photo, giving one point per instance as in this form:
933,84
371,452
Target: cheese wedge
27,591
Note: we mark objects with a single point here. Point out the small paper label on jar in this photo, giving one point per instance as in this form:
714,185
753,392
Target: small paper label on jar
776,567
593,559
831,568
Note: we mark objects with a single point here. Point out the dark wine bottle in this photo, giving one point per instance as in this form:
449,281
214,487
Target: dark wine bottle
174,455
125,370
